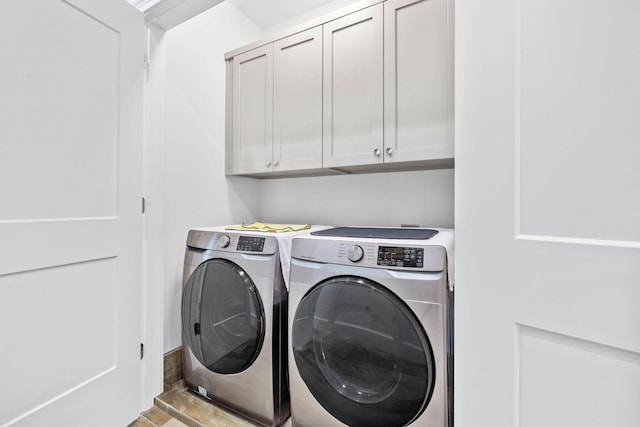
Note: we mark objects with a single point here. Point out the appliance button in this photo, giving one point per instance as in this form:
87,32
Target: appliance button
355,253
223,241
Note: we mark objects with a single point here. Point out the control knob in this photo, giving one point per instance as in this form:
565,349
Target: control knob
355,253
223,241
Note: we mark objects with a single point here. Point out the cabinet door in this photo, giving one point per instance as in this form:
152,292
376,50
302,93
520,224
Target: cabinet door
297,103
253,110
418,79
352,90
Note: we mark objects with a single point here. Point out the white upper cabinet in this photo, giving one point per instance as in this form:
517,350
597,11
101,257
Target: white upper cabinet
418,80
366,88
252,100
276,105
353,89
297,102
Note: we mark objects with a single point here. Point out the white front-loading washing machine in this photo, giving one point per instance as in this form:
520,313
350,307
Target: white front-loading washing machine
370,324
234,309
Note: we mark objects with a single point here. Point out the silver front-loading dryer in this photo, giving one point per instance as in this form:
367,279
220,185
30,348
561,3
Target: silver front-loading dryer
370,324
234,310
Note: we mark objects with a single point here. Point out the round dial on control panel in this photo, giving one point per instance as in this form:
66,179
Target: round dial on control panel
224,241
355,253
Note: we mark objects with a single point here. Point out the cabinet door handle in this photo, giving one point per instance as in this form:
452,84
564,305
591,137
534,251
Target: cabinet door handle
276,163
376,152
389,150
268,163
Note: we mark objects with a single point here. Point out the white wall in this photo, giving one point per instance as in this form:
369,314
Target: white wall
382,199
196,192
321,10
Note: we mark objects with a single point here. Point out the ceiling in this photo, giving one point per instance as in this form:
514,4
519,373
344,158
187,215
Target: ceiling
264,13
143,5
267,13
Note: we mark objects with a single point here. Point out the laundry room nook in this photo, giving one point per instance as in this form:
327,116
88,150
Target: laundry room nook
319,213
419,195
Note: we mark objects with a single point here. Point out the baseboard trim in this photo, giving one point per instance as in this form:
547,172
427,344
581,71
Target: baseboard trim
172,367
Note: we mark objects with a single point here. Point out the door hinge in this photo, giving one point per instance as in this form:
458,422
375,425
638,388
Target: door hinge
146,67
144,205
141,351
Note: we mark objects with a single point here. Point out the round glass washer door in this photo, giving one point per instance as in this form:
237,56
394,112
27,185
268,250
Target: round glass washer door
222,317
363,353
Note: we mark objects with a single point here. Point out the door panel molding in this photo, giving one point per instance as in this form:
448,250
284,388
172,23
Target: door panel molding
564,192
549,365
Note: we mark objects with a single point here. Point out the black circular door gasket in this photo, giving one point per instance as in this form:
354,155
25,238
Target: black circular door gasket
223,319
362,353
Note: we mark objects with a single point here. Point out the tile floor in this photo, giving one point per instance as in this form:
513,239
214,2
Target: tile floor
178,407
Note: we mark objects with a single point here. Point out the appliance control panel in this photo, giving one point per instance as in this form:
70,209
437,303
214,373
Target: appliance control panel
250,244
401,256
397,256
202,239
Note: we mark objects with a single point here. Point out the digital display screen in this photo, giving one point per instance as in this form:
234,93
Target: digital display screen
393,256
250,244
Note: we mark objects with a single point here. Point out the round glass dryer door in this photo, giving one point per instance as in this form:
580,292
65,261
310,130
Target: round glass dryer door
222,317
362,353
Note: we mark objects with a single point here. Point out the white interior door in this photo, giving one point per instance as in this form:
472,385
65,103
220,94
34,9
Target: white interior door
547,213
70,219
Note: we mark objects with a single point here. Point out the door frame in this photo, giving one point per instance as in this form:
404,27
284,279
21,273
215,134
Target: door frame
160,16
152,245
